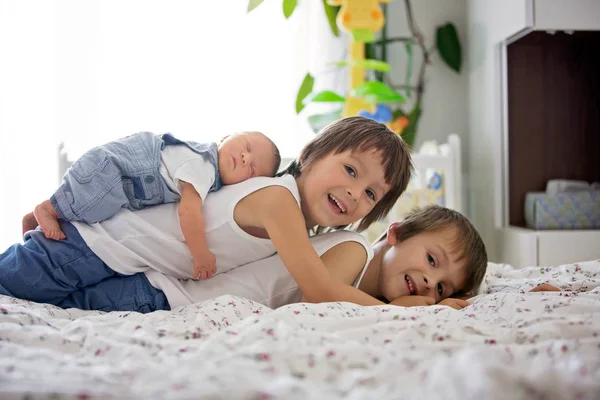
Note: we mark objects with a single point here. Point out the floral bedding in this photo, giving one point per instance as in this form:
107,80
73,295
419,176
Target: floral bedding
507,344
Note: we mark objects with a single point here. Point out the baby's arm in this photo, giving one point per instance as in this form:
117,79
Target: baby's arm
192,226
275,209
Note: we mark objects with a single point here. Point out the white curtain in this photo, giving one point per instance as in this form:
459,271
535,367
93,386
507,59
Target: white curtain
85,72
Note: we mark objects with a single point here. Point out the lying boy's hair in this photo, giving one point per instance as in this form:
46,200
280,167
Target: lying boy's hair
361,134
468,243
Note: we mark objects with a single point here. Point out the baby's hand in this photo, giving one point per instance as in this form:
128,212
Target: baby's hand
205,265
457,304
413,301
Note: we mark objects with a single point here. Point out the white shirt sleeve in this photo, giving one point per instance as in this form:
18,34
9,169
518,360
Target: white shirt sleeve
180,164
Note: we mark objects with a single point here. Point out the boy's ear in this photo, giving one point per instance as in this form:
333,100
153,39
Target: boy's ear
392,238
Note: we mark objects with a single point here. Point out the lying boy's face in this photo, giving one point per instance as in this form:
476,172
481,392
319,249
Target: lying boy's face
245,155
426,265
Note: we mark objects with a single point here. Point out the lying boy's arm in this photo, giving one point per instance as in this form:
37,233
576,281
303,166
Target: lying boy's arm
344,262
417,301
192,226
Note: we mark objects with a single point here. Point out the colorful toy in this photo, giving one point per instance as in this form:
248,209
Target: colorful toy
362,19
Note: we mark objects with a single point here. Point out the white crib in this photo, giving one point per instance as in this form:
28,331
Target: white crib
437,180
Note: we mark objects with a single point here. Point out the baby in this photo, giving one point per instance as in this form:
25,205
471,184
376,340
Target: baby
145,169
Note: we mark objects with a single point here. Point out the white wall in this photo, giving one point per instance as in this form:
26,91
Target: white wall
92,71
445,98
488,24
444,103
27,110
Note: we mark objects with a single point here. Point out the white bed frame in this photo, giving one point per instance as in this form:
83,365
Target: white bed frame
449,162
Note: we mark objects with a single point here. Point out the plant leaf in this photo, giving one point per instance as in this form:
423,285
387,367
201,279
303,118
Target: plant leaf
371,87
331,12
326,96
288,7
374,65
449,46
305,89
409,134
409,66
252,4
363,35
382,98
375,92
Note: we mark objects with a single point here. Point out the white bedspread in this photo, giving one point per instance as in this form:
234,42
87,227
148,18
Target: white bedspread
508,344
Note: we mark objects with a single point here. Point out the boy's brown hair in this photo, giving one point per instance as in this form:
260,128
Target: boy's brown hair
361,134
468,243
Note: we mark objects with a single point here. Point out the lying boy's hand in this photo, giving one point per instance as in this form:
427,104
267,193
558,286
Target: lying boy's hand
544,287
205,265
457,304
413,301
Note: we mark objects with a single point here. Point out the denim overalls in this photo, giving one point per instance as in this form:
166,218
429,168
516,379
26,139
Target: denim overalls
122,173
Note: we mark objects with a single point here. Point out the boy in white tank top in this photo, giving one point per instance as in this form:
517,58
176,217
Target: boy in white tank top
354,170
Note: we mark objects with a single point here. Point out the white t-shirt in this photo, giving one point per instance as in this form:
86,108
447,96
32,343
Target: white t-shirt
178,163
151,239
266,281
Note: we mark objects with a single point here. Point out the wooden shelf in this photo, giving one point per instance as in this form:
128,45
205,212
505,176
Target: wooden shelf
553,119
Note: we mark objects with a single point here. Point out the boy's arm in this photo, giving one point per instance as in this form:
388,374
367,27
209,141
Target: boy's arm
192,226
344,261
416,301
276,210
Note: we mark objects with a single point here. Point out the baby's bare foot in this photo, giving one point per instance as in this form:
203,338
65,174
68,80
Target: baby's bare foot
29,223
46,216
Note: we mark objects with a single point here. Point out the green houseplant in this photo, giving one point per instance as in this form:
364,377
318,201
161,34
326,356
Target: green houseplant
378,87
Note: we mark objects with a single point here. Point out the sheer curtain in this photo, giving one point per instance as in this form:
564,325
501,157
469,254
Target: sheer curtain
85,72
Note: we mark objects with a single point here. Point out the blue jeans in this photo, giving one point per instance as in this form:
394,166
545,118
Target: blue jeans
68,274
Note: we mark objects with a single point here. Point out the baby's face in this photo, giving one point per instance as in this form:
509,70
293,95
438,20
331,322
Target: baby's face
245,155
426,265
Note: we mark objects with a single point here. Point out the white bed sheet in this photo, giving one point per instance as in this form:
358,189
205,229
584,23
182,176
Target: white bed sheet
507,344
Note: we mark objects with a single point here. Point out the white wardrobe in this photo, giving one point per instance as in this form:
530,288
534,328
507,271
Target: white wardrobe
515,146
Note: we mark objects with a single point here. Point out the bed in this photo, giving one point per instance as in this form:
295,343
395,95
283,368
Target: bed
507,344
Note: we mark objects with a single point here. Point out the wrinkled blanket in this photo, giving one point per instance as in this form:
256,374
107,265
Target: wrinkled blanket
508,344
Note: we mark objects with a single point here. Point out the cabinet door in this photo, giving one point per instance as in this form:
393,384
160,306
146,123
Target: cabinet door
518,247
566,247
567,15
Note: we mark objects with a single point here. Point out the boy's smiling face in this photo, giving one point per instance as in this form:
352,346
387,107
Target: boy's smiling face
341,188
427,264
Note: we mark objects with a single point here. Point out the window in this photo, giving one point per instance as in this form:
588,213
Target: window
85,72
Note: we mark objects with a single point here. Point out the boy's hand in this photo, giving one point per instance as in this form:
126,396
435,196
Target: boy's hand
204,265
413,301
457,304
544,287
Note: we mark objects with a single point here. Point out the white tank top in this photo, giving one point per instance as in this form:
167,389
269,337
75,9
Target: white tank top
151,239
265,281
232,246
